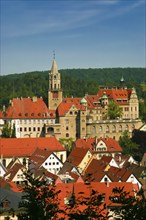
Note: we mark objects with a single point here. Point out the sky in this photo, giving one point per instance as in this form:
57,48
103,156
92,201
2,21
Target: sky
81,34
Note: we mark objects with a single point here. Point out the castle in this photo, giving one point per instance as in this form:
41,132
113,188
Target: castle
73,117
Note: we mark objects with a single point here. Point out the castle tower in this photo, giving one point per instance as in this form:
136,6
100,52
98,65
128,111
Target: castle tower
55,91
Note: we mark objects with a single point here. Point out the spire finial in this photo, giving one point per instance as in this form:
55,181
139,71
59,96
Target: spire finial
54,54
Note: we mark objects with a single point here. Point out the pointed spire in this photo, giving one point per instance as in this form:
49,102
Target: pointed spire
54,68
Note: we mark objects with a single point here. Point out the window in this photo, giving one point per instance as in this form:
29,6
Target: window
29,128
114,128
46,164
67,121
57,163
53,163
107,129
67,134
100,129
67,128
4,162
34,128
120,128
126,128
94,130
61,157
25,129
20,129
24,162
38,128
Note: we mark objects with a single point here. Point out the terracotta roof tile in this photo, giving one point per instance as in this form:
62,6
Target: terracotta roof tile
11,147
116,94
28,108
89,143
76,156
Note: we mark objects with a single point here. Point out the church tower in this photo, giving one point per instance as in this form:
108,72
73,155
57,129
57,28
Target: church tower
55,91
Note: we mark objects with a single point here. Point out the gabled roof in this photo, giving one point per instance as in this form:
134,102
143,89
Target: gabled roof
42,173
39,156
77,155
13,171
117,174
82,189
24,147
13,197
28,108
67,103
116,94
95,171
90,143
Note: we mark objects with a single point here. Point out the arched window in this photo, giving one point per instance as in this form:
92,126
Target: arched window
114,128
107,129
67,134
93,130
50,130
120,128
100,129
126,127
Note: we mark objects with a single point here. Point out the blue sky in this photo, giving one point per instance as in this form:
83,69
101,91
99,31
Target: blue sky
83,34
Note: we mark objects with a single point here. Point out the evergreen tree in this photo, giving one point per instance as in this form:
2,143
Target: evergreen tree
128,146
40,200
130,207
8,131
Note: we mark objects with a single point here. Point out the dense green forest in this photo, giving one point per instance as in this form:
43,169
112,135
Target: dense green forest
75,82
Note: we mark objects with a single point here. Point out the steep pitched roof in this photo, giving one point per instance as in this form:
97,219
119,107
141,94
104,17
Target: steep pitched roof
24,147
77,155
13,171
28,108
116,94
82,189
117,174
67,103
90,143
39,156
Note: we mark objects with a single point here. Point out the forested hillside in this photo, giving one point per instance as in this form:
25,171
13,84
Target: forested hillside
75,82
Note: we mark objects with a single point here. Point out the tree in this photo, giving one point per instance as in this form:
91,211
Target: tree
130,207
67,143
40,200
8,131
114,111
128,146
92,207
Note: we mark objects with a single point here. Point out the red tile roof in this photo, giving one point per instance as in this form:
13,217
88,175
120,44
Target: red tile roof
116,94
81,189
77,155
13,171
90,143
28,108
11,147
67,103
39,156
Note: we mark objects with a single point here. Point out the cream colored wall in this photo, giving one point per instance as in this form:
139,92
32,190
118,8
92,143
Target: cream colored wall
84,162
128,125
59,153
